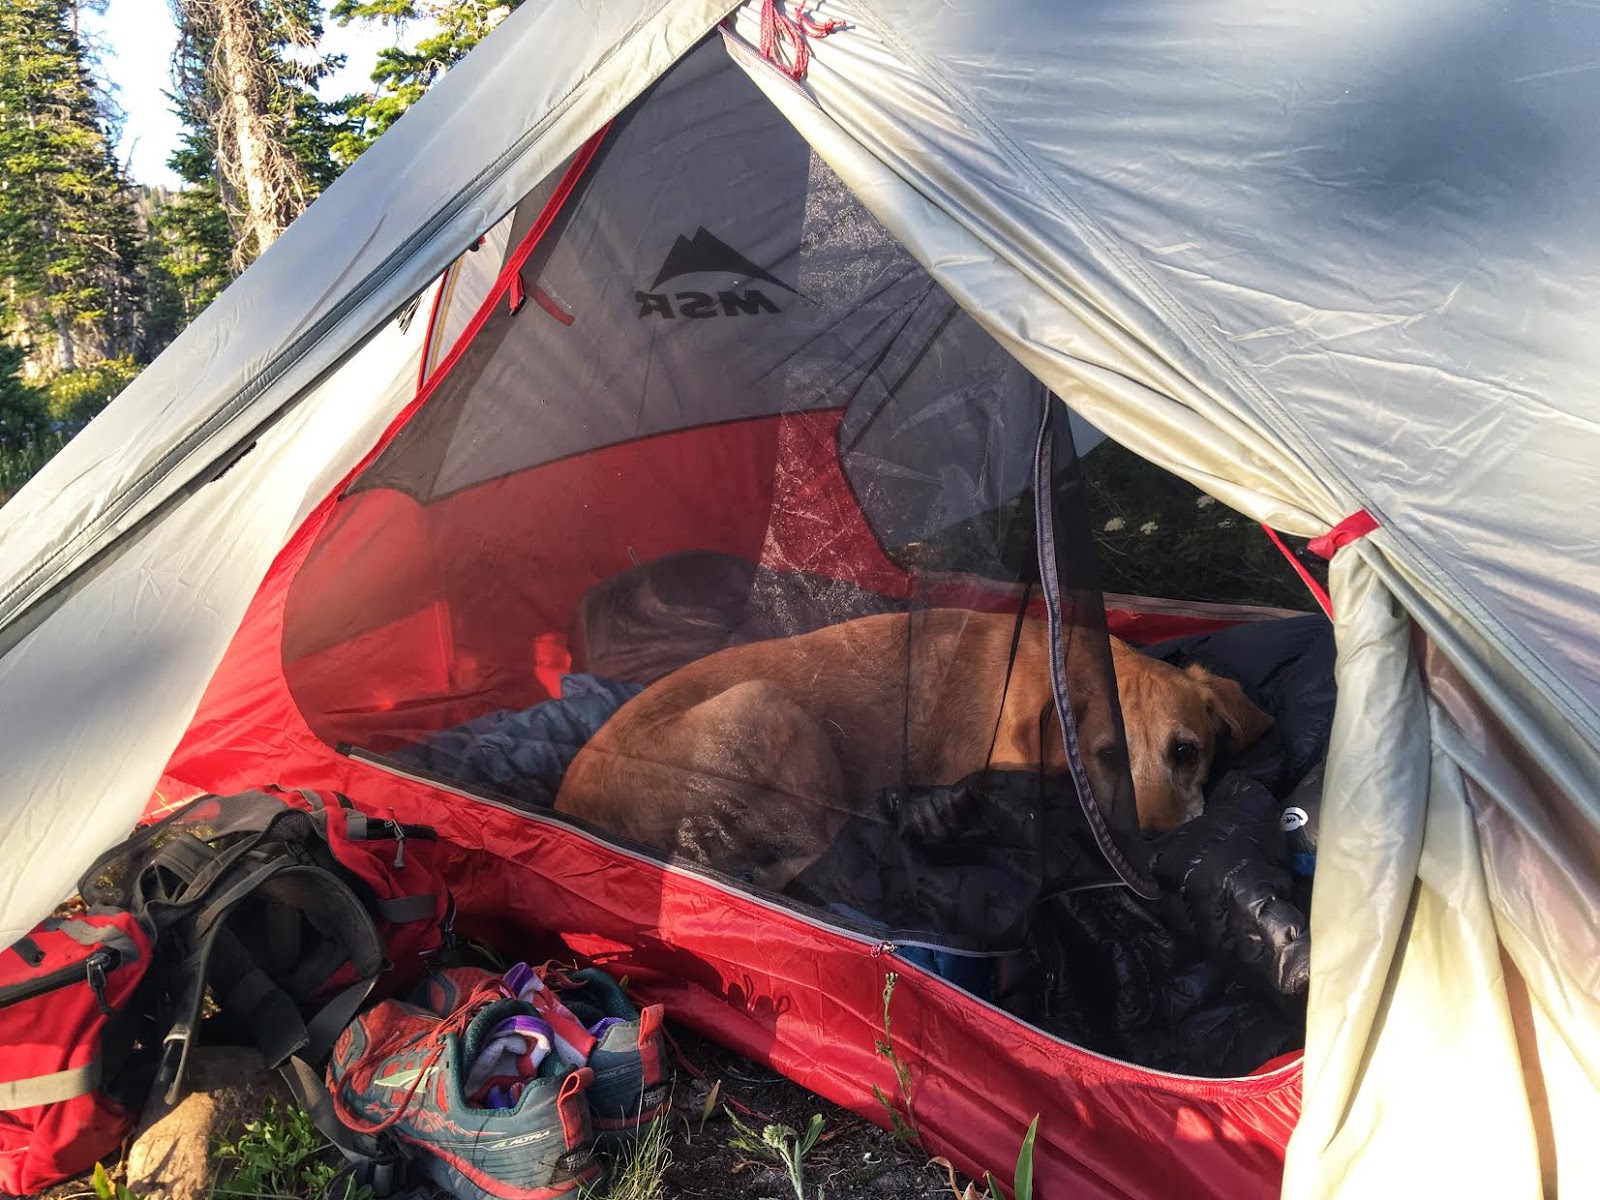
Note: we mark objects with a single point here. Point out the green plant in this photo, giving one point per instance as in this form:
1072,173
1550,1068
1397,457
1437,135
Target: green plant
1158,535
281,1154
902,1125
710,1106
1021,1180
638,1172
784,1145
75,396
20,464
106,1189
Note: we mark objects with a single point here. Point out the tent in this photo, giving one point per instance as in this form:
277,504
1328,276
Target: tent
1333,264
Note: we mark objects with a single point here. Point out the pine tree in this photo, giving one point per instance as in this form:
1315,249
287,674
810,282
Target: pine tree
68,234
26,439
23,416
186,255
403,75
246,73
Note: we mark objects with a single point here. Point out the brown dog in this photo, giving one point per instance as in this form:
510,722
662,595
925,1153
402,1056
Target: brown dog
754,757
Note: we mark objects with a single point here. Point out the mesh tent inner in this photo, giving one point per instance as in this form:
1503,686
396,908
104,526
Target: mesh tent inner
727,533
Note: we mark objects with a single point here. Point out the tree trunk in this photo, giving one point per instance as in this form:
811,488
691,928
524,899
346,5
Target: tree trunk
67,348
237,80
245,119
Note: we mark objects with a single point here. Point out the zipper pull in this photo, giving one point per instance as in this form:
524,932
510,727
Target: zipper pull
95,968
399,845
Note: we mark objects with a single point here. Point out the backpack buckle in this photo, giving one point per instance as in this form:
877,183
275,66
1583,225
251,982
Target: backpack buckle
174,1051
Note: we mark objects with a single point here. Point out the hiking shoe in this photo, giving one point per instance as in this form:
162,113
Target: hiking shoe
592,1022
627,1055
442,992
401,1068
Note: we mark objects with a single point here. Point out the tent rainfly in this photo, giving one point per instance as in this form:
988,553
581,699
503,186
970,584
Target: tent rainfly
642,278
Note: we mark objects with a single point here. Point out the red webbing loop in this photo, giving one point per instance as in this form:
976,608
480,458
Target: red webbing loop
1306,577
548,302
1357,525
503,283
777,29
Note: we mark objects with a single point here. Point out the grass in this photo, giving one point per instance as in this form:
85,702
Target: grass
638,1170
106,1188
903,1124
808,1150
1021,1177
37,420
17,466
280,1155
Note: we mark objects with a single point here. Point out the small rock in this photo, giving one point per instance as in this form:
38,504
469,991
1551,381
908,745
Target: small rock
170,1155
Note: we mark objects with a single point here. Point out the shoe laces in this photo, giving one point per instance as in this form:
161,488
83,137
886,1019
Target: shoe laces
457,1022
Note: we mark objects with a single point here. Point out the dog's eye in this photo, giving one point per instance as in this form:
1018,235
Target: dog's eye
1185,754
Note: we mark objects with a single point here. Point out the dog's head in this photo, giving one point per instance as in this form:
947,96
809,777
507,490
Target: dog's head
1173,720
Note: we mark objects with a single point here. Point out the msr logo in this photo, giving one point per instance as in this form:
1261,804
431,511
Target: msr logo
706,254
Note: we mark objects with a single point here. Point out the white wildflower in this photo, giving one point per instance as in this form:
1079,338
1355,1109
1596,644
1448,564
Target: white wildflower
1205,501
1149,527
1115,525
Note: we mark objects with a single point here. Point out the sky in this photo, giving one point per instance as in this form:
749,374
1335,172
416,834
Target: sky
138,37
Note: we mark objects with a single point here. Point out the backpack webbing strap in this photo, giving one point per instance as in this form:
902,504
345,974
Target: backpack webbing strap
402,909
323,1030
374,1164
329,905
256,1003
52,1088
189,977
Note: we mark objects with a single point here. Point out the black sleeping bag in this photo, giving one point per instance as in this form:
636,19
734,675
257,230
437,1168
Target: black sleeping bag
1210,978
962,865
1225,882
1107,973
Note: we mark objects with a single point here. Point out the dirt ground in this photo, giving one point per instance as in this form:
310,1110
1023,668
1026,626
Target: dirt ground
853,1160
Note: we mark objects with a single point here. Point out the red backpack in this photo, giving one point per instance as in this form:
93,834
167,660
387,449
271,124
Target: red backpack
287,909
69,1022
397,872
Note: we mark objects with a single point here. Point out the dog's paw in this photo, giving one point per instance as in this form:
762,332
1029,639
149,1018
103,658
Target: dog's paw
932,815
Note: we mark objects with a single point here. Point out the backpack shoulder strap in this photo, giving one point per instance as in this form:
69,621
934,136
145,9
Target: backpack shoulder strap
268,995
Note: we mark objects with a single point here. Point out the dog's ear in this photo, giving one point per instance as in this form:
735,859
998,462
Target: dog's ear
1228,704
